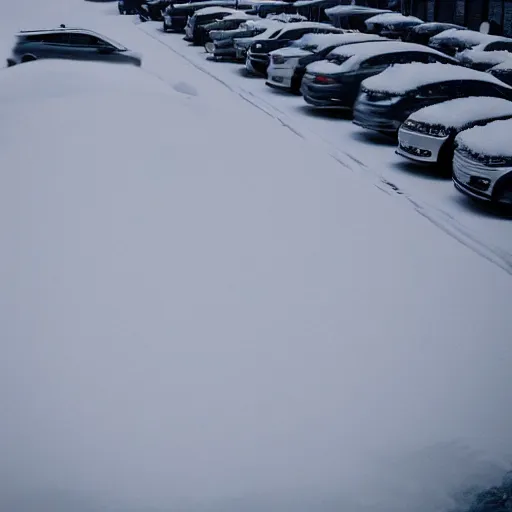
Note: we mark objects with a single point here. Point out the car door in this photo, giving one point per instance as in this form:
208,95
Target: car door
54,46
88,47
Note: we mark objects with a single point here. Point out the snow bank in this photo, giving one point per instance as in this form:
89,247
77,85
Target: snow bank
390,18
181,317
458,113
401,78
493,139
469,37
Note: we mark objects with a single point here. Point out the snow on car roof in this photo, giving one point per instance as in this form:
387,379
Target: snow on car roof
425,27
401,78
493,139
214,10
309,24
239,15
373,48
506,65
461,111
304,3
466,36
324,40
481,57
350,9
390,18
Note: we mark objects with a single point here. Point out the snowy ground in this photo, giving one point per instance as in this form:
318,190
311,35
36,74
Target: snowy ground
186,321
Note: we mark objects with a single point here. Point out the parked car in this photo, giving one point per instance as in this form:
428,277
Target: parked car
129,6
230,22
272,7
288,65
388,99
335,82
315,10
503,71
69,43
352,17
176,15
258,54
223,41
194,32
427,136
453,41
482,163
485,56
421,34
392,24
154,9
243,42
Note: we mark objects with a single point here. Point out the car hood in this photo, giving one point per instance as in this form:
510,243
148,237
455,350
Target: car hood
291,52
324,67
481,57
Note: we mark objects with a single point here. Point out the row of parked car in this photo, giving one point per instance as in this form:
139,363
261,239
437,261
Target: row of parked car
444,91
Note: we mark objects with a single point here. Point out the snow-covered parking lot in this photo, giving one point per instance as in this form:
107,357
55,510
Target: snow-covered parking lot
213,299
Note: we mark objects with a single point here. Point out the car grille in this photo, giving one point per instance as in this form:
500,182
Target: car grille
484,161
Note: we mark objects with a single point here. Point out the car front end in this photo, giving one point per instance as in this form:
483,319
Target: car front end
257,61
380,111
422,142
242,46
281,70
482,176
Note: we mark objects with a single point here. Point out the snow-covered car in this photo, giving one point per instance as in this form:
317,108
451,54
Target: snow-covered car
335,82
288,65
503,71
421,34
258,53
485,56
69,43
352,17
427,135
482,163
243,41
266,8
454,40
154,9
315,10
194,32
129,6
388,99
230,22
392,24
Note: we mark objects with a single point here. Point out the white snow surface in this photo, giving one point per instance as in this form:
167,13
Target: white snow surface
406,77
389,18
470,37
324,67
461,111
482,57
492,139
215,10
349,9
187,328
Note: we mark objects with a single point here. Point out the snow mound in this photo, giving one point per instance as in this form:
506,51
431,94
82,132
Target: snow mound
458,113
401,78
468,37
391,18
493,139
482,57
215,10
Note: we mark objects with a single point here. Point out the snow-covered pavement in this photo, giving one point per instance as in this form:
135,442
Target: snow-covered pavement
190,323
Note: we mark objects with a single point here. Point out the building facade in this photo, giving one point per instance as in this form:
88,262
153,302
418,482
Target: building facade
470,13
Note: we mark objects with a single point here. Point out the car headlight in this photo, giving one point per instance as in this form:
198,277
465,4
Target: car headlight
258,46
427,129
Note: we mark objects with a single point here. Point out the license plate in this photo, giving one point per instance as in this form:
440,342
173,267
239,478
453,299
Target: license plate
278,79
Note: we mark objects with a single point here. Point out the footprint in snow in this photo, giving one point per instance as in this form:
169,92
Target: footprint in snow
184,88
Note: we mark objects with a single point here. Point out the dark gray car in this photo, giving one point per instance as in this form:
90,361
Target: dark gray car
69,43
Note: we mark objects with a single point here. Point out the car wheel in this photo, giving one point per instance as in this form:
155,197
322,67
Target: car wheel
28,58
165,28
295,85
503,194
445,159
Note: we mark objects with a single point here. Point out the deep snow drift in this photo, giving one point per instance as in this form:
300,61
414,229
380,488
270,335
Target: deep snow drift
192,325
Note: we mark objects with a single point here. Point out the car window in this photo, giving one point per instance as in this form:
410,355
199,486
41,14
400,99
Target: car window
78,39
294,34
499,46
60,38
438,91
380,60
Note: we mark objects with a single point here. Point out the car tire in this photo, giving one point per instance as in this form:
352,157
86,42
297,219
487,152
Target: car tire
165,28
28,58
503,190
445,159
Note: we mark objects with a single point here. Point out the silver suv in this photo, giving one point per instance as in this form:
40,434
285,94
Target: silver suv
69,43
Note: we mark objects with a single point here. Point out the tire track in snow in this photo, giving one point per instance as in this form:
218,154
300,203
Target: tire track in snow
441,219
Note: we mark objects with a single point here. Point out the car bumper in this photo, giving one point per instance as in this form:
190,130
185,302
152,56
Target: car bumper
240,53
176,23
256,64
474,178
375,118
280,76
332,95
419,147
